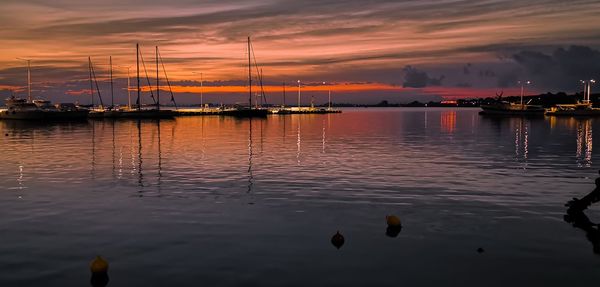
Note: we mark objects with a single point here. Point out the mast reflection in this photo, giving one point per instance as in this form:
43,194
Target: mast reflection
250,154
93,161
139,168
584,143
159,179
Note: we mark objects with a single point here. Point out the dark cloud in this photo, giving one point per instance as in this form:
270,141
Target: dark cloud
508,79
563,68
414,78
467,69
487,73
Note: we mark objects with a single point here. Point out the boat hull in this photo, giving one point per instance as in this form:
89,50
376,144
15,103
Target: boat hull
37,115
575,113
246,113
133,114
512,110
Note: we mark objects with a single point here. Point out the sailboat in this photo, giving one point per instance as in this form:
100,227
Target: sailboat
152,111
248,111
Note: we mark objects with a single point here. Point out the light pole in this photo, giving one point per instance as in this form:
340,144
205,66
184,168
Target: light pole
201,89
28,78
592,81
522,91
329,97
298,94
587,88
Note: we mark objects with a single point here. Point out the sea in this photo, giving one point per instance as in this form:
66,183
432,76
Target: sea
224,201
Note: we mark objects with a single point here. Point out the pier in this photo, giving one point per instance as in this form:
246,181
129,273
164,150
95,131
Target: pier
272,110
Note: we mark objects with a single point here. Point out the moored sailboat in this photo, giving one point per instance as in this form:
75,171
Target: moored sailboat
248,111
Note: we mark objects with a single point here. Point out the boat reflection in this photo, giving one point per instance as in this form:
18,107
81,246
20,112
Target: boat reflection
142,144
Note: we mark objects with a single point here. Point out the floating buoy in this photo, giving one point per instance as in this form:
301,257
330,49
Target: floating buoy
393,220
99,265
99,269
480,250
337,240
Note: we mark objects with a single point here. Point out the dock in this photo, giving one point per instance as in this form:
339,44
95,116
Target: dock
272,110
302,110
199,112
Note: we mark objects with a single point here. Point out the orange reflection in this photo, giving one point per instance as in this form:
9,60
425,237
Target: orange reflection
448,121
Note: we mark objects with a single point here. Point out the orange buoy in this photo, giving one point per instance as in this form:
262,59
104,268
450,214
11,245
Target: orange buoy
99,265
393,220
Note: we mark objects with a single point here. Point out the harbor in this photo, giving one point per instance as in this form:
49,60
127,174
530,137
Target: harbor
42,109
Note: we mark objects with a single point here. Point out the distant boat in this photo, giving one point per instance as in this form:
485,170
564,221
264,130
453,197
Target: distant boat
21,109
248,111
507,108
575,110
29,109
580,109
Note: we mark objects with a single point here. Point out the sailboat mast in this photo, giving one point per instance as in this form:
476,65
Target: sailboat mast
157,82
249,76
29,81
283,104
91,83
112,96
137,60
128,90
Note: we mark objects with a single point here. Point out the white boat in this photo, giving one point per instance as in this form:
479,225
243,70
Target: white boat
580,109
21,109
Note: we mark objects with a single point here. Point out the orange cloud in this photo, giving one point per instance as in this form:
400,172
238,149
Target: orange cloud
340,87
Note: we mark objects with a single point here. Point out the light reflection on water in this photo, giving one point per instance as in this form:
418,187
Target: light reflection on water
222,201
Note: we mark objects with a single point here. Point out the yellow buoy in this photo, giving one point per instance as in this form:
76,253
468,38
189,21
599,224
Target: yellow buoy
393,220
99,265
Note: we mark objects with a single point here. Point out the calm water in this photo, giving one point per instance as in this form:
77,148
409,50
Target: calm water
215,201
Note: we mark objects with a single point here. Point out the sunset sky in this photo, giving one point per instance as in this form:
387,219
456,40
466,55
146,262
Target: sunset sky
365,51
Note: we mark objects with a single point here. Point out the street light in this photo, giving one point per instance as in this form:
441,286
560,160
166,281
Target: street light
28,78
522,91
587,88
201,88
329,101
